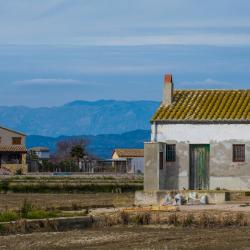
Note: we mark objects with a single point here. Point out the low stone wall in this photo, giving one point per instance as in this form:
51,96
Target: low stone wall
13,168
157,197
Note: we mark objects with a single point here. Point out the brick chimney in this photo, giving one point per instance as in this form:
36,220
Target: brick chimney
168,90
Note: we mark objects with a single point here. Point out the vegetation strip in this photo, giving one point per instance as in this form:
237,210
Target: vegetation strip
29,211
93,186
176,219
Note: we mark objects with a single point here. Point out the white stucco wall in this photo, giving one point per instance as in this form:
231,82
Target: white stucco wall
43,155
137,164
223,171
200,133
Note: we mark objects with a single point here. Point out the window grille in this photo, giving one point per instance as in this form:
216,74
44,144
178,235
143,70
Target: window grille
170,152
238,153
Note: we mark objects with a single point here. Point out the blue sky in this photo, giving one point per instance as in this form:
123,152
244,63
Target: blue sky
56,51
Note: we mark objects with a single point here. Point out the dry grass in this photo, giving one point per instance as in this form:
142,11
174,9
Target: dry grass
176,220
188,220
142,218
204,220
124,218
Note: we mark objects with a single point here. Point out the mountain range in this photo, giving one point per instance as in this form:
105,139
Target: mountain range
80,118
104,124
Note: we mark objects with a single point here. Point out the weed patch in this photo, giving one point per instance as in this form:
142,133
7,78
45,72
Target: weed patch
4,186
8,216
173,219
124,218
188,220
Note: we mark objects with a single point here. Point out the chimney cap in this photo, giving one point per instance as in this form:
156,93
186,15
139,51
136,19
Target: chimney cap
168,78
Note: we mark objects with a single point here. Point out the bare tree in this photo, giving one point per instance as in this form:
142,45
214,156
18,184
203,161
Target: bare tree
64,149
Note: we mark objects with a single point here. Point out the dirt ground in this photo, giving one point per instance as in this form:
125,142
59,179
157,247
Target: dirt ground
139,237
123,237
237,207
66,201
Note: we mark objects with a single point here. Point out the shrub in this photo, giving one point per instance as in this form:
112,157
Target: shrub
188,220
227,220
143,218
41,214
1,228
173,219
26,208
8,216
240,220
36,214
207,220
4,185
124,218
110,220
19,171
79,188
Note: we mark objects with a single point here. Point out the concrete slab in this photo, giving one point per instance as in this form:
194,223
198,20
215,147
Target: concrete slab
156,197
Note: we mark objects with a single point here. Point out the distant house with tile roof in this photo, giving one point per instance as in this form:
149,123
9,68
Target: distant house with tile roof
128,160
200,139
12,151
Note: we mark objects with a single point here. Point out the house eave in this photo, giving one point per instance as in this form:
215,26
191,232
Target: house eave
200,122
13,131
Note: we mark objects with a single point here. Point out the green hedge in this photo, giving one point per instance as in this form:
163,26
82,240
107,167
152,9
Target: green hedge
70,188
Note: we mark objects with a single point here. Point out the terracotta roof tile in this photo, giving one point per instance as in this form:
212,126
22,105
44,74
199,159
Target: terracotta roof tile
13,148
126,153
39,149
206,105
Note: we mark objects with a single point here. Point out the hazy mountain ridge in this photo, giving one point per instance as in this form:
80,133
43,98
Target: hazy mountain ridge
80,117
100,145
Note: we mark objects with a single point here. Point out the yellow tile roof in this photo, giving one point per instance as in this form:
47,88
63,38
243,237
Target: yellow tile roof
206,106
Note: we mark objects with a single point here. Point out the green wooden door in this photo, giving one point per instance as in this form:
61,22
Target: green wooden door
199,166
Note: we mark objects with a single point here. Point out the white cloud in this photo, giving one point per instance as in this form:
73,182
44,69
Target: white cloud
48,81
211,39
208,83
95,22
192,38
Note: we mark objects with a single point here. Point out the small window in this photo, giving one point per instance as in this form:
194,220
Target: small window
161,160
238,153
16,141
170,152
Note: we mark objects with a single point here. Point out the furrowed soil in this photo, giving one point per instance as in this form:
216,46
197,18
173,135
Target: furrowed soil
137,237
14,201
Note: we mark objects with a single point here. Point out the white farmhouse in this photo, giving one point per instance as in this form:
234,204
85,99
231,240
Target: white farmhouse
42,153
200,139
128,160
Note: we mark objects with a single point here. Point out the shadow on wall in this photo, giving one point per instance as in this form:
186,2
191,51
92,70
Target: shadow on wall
172,174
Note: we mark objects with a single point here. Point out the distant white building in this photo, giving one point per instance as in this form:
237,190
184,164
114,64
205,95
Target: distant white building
42,153
128,160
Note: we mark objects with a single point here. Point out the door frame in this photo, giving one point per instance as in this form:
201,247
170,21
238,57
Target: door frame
192,183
